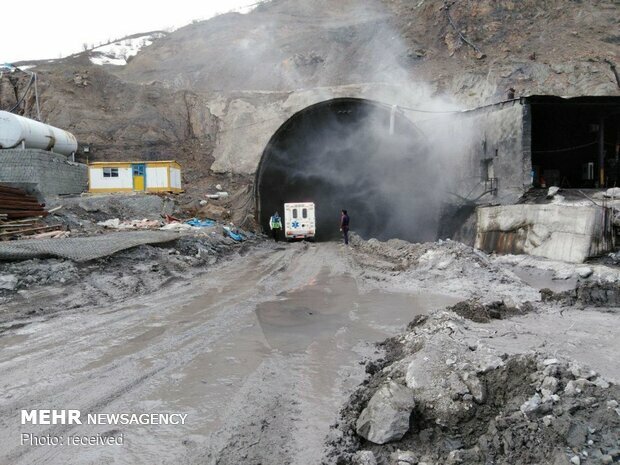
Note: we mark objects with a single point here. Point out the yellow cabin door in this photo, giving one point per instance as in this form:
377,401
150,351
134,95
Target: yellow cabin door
139,177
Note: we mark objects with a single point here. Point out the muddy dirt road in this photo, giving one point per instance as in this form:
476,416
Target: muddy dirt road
260,353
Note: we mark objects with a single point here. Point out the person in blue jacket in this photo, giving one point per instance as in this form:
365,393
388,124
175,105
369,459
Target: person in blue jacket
275,223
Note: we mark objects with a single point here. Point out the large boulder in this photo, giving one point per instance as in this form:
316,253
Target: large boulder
386,417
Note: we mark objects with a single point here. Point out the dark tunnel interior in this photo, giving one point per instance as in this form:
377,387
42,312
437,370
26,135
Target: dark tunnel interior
573,139
357,155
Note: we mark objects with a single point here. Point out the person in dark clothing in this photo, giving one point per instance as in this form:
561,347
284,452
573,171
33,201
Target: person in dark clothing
344,226
275,223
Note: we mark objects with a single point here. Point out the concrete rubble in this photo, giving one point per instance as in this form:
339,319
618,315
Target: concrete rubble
87,210
115,223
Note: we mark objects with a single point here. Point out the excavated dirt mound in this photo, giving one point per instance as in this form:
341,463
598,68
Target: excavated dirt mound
463,272
483,313
51,285
398,255
473,406
590,294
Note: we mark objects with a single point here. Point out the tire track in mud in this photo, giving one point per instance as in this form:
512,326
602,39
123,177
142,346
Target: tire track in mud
217,318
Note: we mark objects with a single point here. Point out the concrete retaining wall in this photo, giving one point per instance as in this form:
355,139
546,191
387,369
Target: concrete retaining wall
558,232
51,173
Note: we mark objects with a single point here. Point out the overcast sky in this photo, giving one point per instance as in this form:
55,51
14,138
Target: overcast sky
40,29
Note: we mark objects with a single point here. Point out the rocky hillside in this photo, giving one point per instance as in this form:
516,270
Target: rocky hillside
167,100
553,46
115,118
282,45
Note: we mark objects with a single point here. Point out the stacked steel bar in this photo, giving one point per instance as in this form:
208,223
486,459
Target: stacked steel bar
15,203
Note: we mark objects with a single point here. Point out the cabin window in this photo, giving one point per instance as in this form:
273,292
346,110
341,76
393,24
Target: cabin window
295,213
138,170
304,213
110,172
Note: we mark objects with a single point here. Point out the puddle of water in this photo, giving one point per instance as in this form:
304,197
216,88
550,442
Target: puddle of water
10,340
321,326
326,326
330,304
541,279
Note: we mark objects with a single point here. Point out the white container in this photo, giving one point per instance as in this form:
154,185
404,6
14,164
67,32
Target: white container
17,131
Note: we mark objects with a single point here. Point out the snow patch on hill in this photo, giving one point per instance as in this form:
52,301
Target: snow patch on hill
117,53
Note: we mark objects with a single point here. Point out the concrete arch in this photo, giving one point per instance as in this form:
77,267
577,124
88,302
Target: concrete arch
351,153
247,120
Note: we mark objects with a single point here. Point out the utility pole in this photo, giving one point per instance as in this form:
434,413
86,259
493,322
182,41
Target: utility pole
601,152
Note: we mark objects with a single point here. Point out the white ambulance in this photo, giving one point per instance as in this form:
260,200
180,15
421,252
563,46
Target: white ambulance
299,220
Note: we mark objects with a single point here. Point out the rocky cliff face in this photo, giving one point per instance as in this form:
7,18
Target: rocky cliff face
172,98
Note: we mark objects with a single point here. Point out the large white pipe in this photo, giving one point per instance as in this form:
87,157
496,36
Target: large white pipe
16,131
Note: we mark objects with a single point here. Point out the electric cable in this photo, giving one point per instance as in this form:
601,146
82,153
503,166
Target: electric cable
419,110
567,149
32,78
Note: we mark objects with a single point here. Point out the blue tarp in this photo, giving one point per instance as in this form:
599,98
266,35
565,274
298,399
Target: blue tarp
200,223
234,235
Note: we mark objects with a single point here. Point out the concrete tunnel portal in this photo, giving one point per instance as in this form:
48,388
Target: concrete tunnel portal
354,154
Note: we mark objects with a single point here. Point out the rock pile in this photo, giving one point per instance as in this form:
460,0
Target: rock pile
437,400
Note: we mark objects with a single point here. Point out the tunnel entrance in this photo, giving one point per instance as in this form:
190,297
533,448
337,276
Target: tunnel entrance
353,154
575,142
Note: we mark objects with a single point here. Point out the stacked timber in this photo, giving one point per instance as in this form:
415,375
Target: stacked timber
18,229
15,203
20,215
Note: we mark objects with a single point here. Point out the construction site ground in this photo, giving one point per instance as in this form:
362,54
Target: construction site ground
270,349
